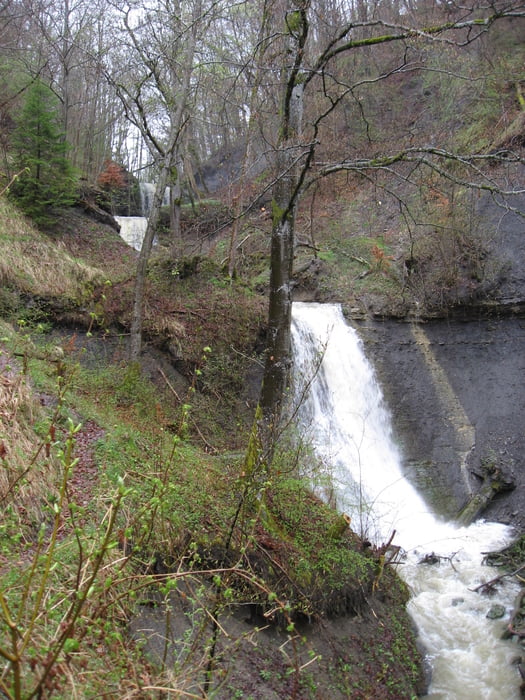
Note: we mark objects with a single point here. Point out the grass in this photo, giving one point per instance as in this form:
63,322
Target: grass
27,474
33,264
158,508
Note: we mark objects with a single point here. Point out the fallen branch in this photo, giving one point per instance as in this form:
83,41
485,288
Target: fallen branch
485,587
436,558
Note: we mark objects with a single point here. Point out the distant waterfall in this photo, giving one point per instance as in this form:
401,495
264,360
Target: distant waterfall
132,229
147,192
344,418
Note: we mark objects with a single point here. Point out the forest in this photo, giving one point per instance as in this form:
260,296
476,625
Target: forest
163,533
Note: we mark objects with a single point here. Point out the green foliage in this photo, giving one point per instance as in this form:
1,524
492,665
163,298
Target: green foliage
178,514
46,179
324,556
122,389
41,623
328,256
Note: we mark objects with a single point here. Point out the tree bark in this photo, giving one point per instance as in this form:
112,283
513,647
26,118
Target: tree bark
170,156
142,263
278,358
175,211
285,196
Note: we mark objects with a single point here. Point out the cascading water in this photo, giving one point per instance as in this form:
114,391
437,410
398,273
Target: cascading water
132,229
147,193
343,417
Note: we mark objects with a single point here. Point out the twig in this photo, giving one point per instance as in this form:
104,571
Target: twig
172,389
15,177
492,582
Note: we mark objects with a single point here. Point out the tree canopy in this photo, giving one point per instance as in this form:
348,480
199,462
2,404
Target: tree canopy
282,93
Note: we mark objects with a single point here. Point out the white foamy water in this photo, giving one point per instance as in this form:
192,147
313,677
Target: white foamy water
344,417
132,229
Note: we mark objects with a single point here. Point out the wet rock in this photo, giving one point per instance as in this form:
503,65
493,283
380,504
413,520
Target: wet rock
482,362
496,612
430,559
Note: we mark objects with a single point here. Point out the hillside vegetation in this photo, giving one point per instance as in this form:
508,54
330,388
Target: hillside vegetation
139,558
123,490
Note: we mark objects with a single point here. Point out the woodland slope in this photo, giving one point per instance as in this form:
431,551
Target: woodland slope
125,486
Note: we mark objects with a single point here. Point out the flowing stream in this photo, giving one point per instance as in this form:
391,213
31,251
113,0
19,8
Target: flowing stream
343,416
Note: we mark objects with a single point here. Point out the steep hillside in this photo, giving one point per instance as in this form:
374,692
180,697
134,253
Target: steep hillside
126,485
121,486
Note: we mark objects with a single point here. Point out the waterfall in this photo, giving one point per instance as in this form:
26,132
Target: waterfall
343,417
132,229
147,192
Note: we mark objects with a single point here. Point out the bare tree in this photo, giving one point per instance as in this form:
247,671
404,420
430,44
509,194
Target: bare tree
62,44
253,71
155,89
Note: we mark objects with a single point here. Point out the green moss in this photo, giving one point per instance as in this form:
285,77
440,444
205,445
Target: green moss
277,213
294,21
324,555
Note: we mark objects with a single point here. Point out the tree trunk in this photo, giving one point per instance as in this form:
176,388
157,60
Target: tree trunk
170,156
142,263
284,202
279,350
175,204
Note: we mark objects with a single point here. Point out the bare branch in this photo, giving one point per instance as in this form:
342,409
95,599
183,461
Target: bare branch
423,156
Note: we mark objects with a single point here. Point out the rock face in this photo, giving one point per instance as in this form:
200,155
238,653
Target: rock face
456,393
456,387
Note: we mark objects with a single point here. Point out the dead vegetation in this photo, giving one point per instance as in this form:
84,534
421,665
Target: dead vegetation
28,469
34,264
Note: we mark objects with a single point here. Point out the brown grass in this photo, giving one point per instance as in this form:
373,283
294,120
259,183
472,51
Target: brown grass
26,474
34,264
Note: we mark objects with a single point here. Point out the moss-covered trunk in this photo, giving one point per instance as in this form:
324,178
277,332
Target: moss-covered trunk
284,203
